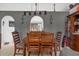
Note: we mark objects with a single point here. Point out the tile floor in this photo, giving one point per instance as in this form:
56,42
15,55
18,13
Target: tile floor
66,51
8,51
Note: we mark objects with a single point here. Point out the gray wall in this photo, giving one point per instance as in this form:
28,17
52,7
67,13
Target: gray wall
57,25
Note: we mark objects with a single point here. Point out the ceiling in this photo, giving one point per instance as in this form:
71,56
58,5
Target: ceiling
60,7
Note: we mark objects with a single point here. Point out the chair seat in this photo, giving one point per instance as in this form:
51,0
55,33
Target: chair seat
20,45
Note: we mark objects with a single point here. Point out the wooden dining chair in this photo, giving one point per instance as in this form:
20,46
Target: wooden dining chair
58,40
18,44
33,42
47,43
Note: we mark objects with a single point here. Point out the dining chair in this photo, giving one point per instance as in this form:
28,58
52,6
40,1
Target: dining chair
47,43
33,42
58,40
18,44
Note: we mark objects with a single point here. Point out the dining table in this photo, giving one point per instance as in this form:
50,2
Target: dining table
43,43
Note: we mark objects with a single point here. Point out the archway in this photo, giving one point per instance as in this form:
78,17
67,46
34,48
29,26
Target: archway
6,29
36,24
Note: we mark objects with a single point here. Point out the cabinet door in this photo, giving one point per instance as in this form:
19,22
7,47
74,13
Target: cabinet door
72,26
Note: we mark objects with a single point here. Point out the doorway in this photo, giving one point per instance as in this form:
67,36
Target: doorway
36,23
6,29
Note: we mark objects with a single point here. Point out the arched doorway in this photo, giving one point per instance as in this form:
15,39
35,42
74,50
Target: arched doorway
36,24
6,29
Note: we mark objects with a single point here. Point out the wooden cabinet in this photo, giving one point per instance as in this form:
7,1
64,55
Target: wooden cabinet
76,42
74,31
72,25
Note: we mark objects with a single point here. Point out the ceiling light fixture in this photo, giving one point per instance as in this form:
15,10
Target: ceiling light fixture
40,13
51,17
39,10
45,13
25,13
35,9
54,7
29,13
23,17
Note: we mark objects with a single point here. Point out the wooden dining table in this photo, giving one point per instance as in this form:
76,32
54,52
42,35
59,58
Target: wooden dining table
42,44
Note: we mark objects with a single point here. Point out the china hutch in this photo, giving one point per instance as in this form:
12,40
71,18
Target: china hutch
74,28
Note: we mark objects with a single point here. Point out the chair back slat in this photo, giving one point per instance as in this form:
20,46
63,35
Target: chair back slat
58,37
16,37
47,37
34,37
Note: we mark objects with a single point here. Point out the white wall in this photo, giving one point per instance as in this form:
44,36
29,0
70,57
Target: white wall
6,30
31,7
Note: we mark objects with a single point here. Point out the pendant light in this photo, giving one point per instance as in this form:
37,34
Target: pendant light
30,11
35,13
40,13
54,7
45,13
35,9
23,17
39,10
51,18
24,13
